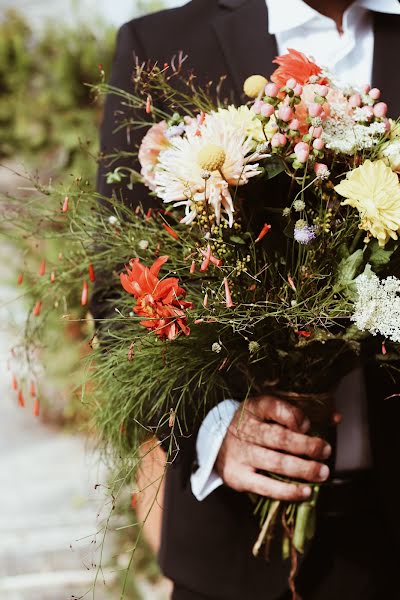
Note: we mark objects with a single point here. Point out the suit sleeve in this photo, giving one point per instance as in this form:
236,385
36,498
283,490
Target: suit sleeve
116,139
113,137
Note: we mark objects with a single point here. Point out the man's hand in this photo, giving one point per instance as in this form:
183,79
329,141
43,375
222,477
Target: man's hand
268,434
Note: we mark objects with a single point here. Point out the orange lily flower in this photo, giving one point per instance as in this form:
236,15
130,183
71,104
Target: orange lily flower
160,301
295,65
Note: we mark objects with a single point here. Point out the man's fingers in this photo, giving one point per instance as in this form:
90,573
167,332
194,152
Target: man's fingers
269,408
285,464
272,488
277,437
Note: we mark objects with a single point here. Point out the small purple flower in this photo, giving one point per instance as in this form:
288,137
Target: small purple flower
305,234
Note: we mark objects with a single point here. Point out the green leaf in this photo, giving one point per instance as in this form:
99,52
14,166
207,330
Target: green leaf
273,166
235,239
348,270
379,257
114,176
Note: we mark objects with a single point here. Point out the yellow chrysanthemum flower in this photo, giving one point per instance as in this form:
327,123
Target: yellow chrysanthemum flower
374,190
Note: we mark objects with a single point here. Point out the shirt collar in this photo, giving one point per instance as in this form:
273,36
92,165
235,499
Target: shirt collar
283,16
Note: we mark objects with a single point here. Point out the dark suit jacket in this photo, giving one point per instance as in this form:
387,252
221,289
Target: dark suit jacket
206,546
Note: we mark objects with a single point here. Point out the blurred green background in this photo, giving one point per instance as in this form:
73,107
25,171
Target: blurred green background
50,53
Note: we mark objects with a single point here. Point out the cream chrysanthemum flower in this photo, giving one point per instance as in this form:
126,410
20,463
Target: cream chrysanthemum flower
242,117
180,177
390,151
374,190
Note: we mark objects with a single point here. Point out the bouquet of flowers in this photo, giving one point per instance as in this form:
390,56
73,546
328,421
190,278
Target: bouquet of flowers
270,267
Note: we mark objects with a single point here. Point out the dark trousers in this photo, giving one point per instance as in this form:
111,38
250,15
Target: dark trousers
349,559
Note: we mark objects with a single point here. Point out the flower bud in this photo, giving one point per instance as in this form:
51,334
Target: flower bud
271,90
294,124
285,113
298,89
318,144
258,104
321,90
279,139
300,147
267,110
315,132
302,155
355,100
291,83
375,93
380,110
314,109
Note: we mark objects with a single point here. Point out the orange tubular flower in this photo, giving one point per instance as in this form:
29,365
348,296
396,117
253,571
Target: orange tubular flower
14,383
160,301
85,293
295,65
42,268
92,275
36,407
228,297
37,308
207,257
21,399
171,231
263,232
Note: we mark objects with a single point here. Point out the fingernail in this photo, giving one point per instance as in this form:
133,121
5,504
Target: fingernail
305,425
307,491
327,451
324,472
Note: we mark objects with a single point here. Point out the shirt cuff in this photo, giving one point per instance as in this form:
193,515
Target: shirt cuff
209,440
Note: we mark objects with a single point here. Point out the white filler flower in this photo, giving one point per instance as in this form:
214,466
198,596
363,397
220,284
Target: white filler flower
377,308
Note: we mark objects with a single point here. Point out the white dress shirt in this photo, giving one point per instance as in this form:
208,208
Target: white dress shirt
350,56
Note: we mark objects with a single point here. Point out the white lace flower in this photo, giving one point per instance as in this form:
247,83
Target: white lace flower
344,134
377,308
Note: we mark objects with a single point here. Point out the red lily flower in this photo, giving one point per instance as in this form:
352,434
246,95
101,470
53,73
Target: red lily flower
160,301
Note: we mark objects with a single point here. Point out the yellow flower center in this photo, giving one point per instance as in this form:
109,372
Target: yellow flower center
211,157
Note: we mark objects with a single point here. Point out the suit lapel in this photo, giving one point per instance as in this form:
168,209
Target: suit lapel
386,49
242,31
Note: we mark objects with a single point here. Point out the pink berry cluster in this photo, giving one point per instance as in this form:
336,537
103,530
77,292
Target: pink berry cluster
295,127
287,129
372,109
